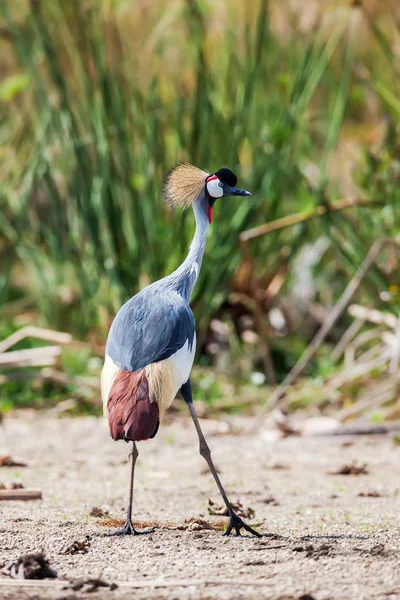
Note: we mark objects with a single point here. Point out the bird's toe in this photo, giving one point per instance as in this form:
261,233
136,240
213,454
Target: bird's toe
237,524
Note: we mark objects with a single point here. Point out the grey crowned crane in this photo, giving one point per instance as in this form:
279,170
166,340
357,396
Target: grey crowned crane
152,340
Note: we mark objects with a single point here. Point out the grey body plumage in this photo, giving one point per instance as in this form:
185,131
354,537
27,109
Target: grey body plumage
149,328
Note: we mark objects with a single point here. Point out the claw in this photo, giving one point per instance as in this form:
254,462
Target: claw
128,529
237,524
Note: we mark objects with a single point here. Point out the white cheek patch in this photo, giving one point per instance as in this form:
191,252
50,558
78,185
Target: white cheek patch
214,188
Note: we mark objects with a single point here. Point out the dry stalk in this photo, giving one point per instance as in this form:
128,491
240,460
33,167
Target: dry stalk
47,335
296,218
33,357
346,339
329,322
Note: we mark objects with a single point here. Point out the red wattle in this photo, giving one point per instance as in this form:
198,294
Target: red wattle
209,212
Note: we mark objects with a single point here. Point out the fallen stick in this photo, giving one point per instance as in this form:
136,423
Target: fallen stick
47,335
354,430
20,494
33,357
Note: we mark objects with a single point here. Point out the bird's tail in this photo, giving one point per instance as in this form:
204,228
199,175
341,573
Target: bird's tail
132,416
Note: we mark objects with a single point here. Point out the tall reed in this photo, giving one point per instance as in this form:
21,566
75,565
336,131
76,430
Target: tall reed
110,100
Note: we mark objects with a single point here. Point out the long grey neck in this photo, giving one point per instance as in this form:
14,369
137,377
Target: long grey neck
185,277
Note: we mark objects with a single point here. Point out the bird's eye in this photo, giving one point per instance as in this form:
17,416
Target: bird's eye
214,187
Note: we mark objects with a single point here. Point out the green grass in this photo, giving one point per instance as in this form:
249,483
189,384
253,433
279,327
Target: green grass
99,105
83,202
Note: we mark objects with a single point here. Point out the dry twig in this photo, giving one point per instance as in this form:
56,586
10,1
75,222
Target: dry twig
47,335
20,494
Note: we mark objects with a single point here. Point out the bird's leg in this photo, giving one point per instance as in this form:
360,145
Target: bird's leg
128,528
235,522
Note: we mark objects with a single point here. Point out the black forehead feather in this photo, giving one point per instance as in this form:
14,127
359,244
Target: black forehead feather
227,176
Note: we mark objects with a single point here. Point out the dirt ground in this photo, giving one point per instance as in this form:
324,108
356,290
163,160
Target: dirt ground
332,538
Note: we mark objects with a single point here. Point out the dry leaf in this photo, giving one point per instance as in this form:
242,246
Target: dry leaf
347,444
7,461
196,525
222,511
370,494
98,512
270,500
352,469
278,467
14,485
78,547
30,566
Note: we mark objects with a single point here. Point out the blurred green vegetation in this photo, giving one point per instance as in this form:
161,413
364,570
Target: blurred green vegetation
99,98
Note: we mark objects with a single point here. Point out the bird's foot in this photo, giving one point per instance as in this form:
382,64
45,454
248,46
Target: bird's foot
237,524
128,529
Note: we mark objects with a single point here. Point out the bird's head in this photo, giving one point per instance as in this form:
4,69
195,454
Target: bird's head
186,184
219,184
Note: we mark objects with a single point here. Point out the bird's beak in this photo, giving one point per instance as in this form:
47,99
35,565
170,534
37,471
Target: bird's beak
234,191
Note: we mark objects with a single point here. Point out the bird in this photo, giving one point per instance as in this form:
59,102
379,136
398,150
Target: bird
151,344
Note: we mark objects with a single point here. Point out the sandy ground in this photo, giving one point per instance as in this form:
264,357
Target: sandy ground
330,542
